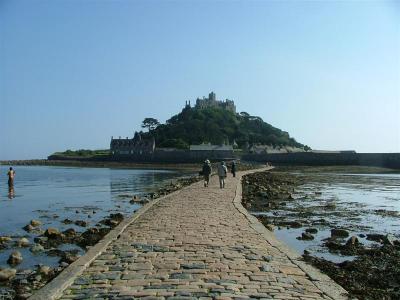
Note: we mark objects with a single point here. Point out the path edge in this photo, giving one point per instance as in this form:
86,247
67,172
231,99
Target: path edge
326,284
55,288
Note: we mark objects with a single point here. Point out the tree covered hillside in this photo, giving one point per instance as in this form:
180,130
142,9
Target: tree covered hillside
216,125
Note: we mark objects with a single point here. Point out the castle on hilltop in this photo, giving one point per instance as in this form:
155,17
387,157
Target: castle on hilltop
211,101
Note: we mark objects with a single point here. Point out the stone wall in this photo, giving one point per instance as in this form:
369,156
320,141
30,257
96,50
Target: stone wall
388,160
176,156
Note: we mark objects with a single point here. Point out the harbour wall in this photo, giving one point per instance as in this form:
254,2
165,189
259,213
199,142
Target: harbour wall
158,156
387,160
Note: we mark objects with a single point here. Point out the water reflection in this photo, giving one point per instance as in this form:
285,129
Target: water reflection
134,184
11,191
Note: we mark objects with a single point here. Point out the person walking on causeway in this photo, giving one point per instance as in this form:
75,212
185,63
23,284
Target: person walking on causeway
222,170
233,169
206,172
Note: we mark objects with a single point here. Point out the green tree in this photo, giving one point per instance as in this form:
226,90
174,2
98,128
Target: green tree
150,123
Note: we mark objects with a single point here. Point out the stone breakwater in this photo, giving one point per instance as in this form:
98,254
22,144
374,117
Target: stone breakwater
195,243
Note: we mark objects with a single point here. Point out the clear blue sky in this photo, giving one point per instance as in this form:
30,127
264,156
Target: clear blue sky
73,73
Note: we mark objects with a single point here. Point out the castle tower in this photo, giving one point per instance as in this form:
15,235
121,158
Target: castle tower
212,96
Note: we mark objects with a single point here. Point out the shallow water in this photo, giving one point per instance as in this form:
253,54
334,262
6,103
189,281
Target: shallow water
359,203
52,194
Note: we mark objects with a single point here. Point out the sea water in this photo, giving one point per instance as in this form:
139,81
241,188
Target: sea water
359,203
51,194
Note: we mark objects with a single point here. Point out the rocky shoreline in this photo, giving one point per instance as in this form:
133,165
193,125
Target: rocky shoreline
373,268
17,283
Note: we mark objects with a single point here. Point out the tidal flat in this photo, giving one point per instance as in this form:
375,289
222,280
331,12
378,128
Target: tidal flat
345,221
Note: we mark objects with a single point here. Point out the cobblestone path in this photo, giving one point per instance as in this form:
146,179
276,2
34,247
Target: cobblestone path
195,244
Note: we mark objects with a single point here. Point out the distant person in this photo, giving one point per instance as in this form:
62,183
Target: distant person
233,169
11,175
222,170
206,172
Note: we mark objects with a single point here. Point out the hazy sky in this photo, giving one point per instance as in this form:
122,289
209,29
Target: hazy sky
74,73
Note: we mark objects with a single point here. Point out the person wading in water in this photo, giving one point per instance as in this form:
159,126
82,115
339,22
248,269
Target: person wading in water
11,175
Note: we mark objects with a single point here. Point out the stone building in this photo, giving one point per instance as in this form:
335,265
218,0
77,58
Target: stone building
135,146
214,152
212,101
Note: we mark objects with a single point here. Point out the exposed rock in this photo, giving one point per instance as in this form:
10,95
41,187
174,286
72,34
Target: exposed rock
28,228
7,274
15,258
45,271
292,224
306,236
91,236
333,244
36,248
67,221
23,242
312,230
375,237
69,258
270,227
69,233
118,217
81,223
390,239
138,200
4,239
352,241
53,233
41,240
337,232
35,223
374,274
113,220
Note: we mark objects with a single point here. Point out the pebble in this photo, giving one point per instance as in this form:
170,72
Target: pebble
337,232
4,239
52,233
23,242
15,258
45,270
36,248
7,274
36,223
